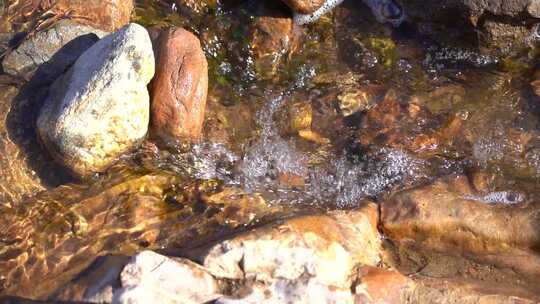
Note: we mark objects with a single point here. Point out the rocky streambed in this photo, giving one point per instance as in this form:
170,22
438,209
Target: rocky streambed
269,151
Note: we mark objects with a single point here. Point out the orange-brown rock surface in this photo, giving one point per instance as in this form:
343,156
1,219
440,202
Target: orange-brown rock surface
180,87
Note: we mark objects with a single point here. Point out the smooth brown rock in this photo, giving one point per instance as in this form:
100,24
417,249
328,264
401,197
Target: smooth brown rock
304,6
449,229
180,87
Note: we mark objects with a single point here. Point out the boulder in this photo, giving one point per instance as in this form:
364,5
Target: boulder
100,108
323,248
153,278
180,87
450,229
41,47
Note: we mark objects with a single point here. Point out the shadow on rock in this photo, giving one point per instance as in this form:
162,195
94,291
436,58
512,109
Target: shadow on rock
25,109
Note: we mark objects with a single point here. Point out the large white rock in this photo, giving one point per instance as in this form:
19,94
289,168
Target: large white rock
325,248
153,278
300,291
100,108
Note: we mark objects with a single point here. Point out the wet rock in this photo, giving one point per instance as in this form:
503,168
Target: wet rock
355,100
180,87
320,248
150,277
41,47
17,178
535,83
95,284
326,7
498,25
449,229
100,108
4,42
436,290
296,291
108,16
378,285
304,6
273,38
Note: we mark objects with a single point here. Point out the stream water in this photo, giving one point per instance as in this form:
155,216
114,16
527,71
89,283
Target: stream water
278,141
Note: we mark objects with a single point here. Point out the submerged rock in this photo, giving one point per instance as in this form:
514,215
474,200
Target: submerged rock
449,229
273,38
41,47
180,87
153,278
100,108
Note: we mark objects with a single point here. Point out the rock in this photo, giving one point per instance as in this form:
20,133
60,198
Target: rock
377,285
273,38
436,290
535,83
359,99
323,248
17,179
451,230
326,7
533,8
499,25
153,278
297,291
41,47
180,87
5,38
108,16
304,6
100,108
97,283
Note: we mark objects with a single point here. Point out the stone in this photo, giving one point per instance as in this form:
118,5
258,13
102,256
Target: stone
451,230
304,6
41,47
97,283
108,16
100,108
323,248
436,290
180,87
273,38
535,83
378,285
297,291
152,278
497,24
533,8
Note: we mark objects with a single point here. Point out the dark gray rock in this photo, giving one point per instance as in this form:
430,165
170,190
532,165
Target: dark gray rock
41,47
500,27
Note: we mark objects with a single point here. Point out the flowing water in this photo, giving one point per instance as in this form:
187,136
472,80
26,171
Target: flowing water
281,138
